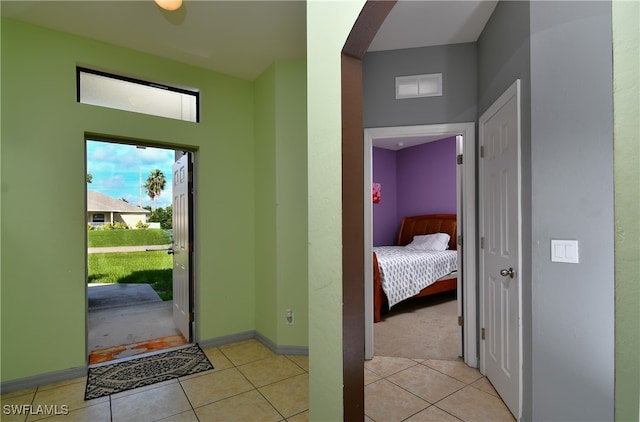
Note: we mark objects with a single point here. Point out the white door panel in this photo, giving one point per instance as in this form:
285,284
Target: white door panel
500,255
181,249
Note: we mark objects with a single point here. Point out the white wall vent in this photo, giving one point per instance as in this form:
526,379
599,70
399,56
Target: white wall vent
416,86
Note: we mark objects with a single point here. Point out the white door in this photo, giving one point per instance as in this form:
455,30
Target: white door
500,261
181,246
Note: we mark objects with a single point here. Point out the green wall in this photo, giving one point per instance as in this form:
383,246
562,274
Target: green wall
281,202
43,192
291,202
626,59
266,271
328,25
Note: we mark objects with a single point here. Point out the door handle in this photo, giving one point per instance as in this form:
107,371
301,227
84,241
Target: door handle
504,272
170,251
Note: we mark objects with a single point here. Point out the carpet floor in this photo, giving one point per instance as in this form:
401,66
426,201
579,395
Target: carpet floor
113,378
422,328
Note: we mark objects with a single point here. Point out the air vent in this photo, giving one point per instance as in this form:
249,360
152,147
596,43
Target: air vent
417,86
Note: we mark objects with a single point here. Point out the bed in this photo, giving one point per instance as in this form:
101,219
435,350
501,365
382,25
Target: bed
410,227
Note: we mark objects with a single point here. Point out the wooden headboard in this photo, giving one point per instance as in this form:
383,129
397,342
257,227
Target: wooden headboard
427,224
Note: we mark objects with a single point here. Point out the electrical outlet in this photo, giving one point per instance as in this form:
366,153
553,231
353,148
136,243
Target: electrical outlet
290,317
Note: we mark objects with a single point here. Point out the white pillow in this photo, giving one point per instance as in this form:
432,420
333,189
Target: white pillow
430,242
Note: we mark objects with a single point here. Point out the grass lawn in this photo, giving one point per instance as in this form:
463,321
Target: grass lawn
104,238
152,267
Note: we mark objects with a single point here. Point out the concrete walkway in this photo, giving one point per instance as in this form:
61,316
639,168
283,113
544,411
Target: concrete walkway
103,296
129,248
127,313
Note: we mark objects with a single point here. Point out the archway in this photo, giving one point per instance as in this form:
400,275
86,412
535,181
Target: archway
364,30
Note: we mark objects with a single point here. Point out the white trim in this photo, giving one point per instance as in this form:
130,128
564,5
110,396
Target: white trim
513,90
466,215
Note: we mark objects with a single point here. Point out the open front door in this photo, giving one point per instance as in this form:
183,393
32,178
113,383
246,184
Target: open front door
182,314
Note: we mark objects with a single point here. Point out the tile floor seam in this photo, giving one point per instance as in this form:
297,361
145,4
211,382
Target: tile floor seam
450,376
271,404
245,377
452,393
419,411
187,396
410,392
448,413
296,414
480,389
220,400
386,376
273,382
296,363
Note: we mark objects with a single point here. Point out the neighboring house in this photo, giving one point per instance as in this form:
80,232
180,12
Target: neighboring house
103,209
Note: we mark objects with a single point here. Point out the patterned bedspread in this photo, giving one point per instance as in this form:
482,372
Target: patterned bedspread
404,271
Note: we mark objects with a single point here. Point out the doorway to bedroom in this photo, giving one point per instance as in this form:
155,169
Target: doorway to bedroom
139,287
429,159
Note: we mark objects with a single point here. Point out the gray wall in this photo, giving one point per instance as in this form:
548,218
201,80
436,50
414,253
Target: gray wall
561,52
457,63
572,197
503,57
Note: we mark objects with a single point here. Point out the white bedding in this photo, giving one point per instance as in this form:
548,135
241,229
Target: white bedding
405,271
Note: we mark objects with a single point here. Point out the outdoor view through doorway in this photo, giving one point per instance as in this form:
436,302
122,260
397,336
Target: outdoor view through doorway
129,234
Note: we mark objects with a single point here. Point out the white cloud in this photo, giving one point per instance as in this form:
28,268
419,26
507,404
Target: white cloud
118,170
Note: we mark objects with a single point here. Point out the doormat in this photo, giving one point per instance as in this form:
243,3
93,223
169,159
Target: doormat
127,350
139,372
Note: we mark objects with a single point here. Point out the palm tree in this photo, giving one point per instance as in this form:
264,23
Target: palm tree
155,184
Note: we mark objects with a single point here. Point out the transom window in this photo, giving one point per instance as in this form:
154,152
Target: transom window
123,93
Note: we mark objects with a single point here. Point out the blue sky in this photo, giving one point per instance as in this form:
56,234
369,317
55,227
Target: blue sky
116,170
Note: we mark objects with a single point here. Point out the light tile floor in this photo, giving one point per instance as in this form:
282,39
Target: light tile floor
251,383
416,390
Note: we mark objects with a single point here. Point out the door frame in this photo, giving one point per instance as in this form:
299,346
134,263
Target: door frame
512,91
466,212
178,151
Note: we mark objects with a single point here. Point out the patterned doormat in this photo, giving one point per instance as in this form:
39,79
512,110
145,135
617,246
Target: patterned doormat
123,376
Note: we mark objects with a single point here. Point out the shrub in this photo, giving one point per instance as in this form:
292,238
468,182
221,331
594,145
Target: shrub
141,225
119,225
162,216
107,226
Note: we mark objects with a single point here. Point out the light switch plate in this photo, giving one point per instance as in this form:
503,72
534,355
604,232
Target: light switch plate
564,251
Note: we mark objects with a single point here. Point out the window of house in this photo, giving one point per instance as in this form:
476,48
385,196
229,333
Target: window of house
97,218
123,93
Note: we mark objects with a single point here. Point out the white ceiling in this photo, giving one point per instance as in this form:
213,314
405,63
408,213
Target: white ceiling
242,38
239,38
413,23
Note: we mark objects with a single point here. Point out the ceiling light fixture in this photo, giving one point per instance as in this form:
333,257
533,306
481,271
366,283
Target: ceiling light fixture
169,4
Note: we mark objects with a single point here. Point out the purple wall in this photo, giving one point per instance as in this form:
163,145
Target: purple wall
385,224
419,180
